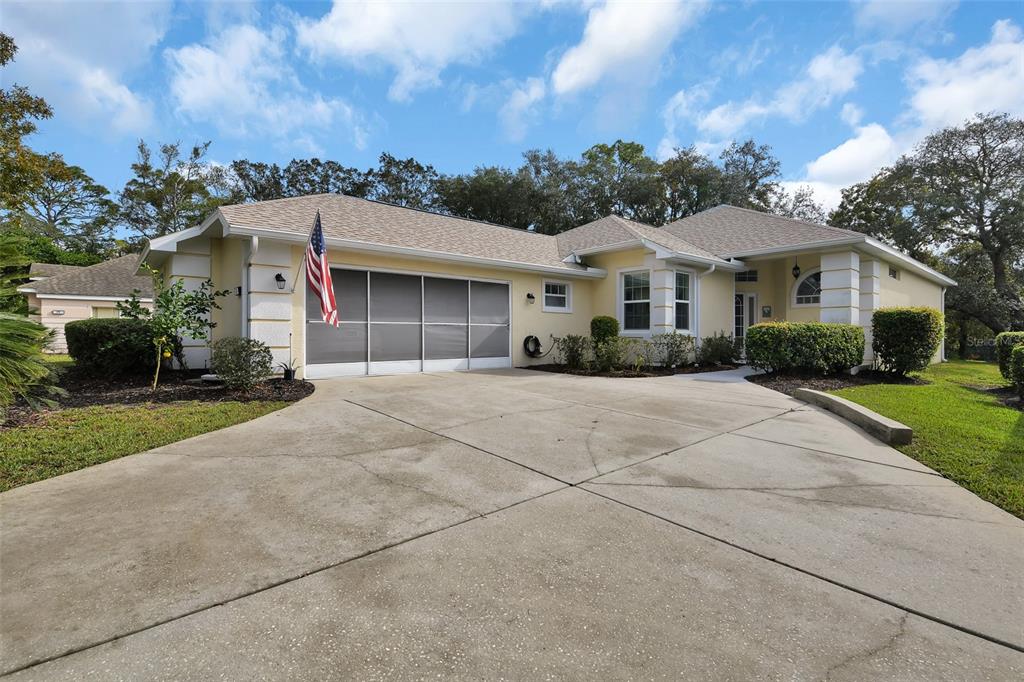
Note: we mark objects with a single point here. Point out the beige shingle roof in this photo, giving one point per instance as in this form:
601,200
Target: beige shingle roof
110,278
41,270
372,222
729,230
615,230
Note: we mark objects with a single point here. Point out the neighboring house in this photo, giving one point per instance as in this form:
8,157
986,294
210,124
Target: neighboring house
63,293
418,291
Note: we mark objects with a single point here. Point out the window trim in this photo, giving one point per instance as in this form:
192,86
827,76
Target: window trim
620,295
691,302
544,296
796,287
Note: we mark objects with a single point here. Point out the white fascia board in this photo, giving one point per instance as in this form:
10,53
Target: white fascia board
26,290
371,247
664,253
604,248
884,250
72,297
863,243
797,248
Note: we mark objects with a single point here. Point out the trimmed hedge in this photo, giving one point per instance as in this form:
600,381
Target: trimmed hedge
241,363
1017,369
111,346
718,349
1005,343
603,327
816,347
905,339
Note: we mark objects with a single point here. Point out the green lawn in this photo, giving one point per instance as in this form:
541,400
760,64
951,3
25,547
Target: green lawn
75,438
963,433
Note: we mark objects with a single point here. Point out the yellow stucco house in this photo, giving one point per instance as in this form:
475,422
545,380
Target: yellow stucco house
419,291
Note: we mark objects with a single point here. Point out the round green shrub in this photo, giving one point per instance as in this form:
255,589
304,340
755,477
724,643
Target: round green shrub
573,351
905,339
815,347
1017,369
1005,343
718,349
241,363
111,346
603,327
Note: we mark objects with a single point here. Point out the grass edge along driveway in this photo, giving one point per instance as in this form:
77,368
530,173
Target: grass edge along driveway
961,431
71,439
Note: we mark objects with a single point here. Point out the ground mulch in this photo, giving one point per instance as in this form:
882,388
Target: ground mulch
83,390
787,383
1004,394
628,373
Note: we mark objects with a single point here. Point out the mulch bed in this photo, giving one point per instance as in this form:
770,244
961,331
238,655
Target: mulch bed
1004,394
86,391
630,374
787,383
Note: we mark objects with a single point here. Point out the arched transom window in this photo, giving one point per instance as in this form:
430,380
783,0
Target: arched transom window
808,291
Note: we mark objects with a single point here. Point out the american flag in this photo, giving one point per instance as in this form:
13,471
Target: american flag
318,274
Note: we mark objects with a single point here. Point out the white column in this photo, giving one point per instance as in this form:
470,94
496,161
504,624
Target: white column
870,299
191,264
663,298
269,308
840,287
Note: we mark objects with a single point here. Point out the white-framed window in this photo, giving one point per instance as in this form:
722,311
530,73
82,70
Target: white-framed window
808,289
683,300
557,297
894,273
746,276
636,301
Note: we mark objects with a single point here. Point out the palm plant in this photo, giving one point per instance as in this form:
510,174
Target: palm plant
24,372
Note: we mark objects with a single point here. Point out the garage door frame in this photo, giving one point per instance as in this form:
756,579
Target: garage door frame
326,370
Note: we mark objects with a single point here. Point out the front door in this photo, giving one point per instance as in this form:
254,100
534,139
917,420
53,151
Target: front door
744,310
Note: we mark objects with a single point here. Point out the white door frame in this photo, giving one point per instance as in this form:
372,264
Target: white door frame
750,310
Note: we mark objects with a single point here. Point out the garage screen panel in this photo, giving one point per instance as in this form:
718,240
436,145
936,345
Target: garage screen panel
489,323
346,344
446,319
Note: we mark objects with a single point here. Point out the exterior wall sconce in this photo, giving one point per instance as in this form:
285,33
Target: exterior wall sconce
279,278
796,270
530,298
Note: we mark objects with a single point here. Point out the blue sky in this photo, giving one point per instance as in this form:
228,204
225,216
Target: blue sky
838,89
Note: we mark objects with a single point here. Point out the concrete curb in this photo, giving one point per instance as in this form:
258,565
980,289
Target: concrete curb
884,429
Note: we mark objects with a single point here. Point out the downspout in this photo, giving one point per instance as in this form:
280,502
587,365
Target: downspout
942,304
254,247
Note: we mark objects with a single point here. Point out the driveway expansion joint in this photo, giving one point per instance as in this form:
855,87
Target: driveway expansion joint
824,578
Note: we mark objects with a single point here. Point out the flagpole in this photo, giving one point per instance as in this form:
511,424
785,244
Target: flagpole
302,263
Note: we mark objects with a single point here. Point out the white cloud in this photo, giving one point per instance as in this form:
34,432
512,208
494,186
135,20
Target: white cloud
520,107
679,109
419,40
851,114
829,75
891,17
982,79
80,57
240,82
623,41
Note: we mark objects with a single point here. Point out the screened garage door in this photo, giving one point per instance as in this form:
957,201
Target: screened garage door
392,322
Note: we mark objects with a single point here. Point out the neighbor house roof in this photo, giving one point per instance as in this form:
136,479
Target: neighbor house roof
612,231
43,270
112,278
350,219
731,231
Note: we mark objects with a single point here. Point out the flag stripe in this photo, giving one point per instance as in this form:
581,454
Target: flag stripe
318,273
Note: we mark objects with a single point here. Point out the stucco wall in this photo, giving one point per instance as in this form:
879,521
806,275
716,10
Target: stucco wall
910,290
226,270
716,303
74,309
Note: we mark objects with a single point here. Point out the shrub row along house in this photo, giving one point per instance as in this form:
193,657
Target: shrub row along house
419,291
59,294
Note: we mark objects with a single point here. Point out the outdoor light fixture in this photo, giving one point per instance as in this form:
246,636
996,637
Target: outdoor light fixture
796,270
530,298
279,278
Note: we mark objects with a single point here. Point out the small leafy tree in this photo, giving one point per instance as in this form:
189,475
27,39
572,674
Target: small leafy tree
176,312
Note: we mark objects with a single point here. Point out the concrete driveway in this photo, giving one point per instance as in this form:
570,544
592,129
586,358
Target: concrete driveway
514,524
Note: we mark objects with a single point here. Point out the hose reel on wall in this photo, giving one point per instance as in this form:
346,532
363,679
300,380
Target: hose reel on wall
534,348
